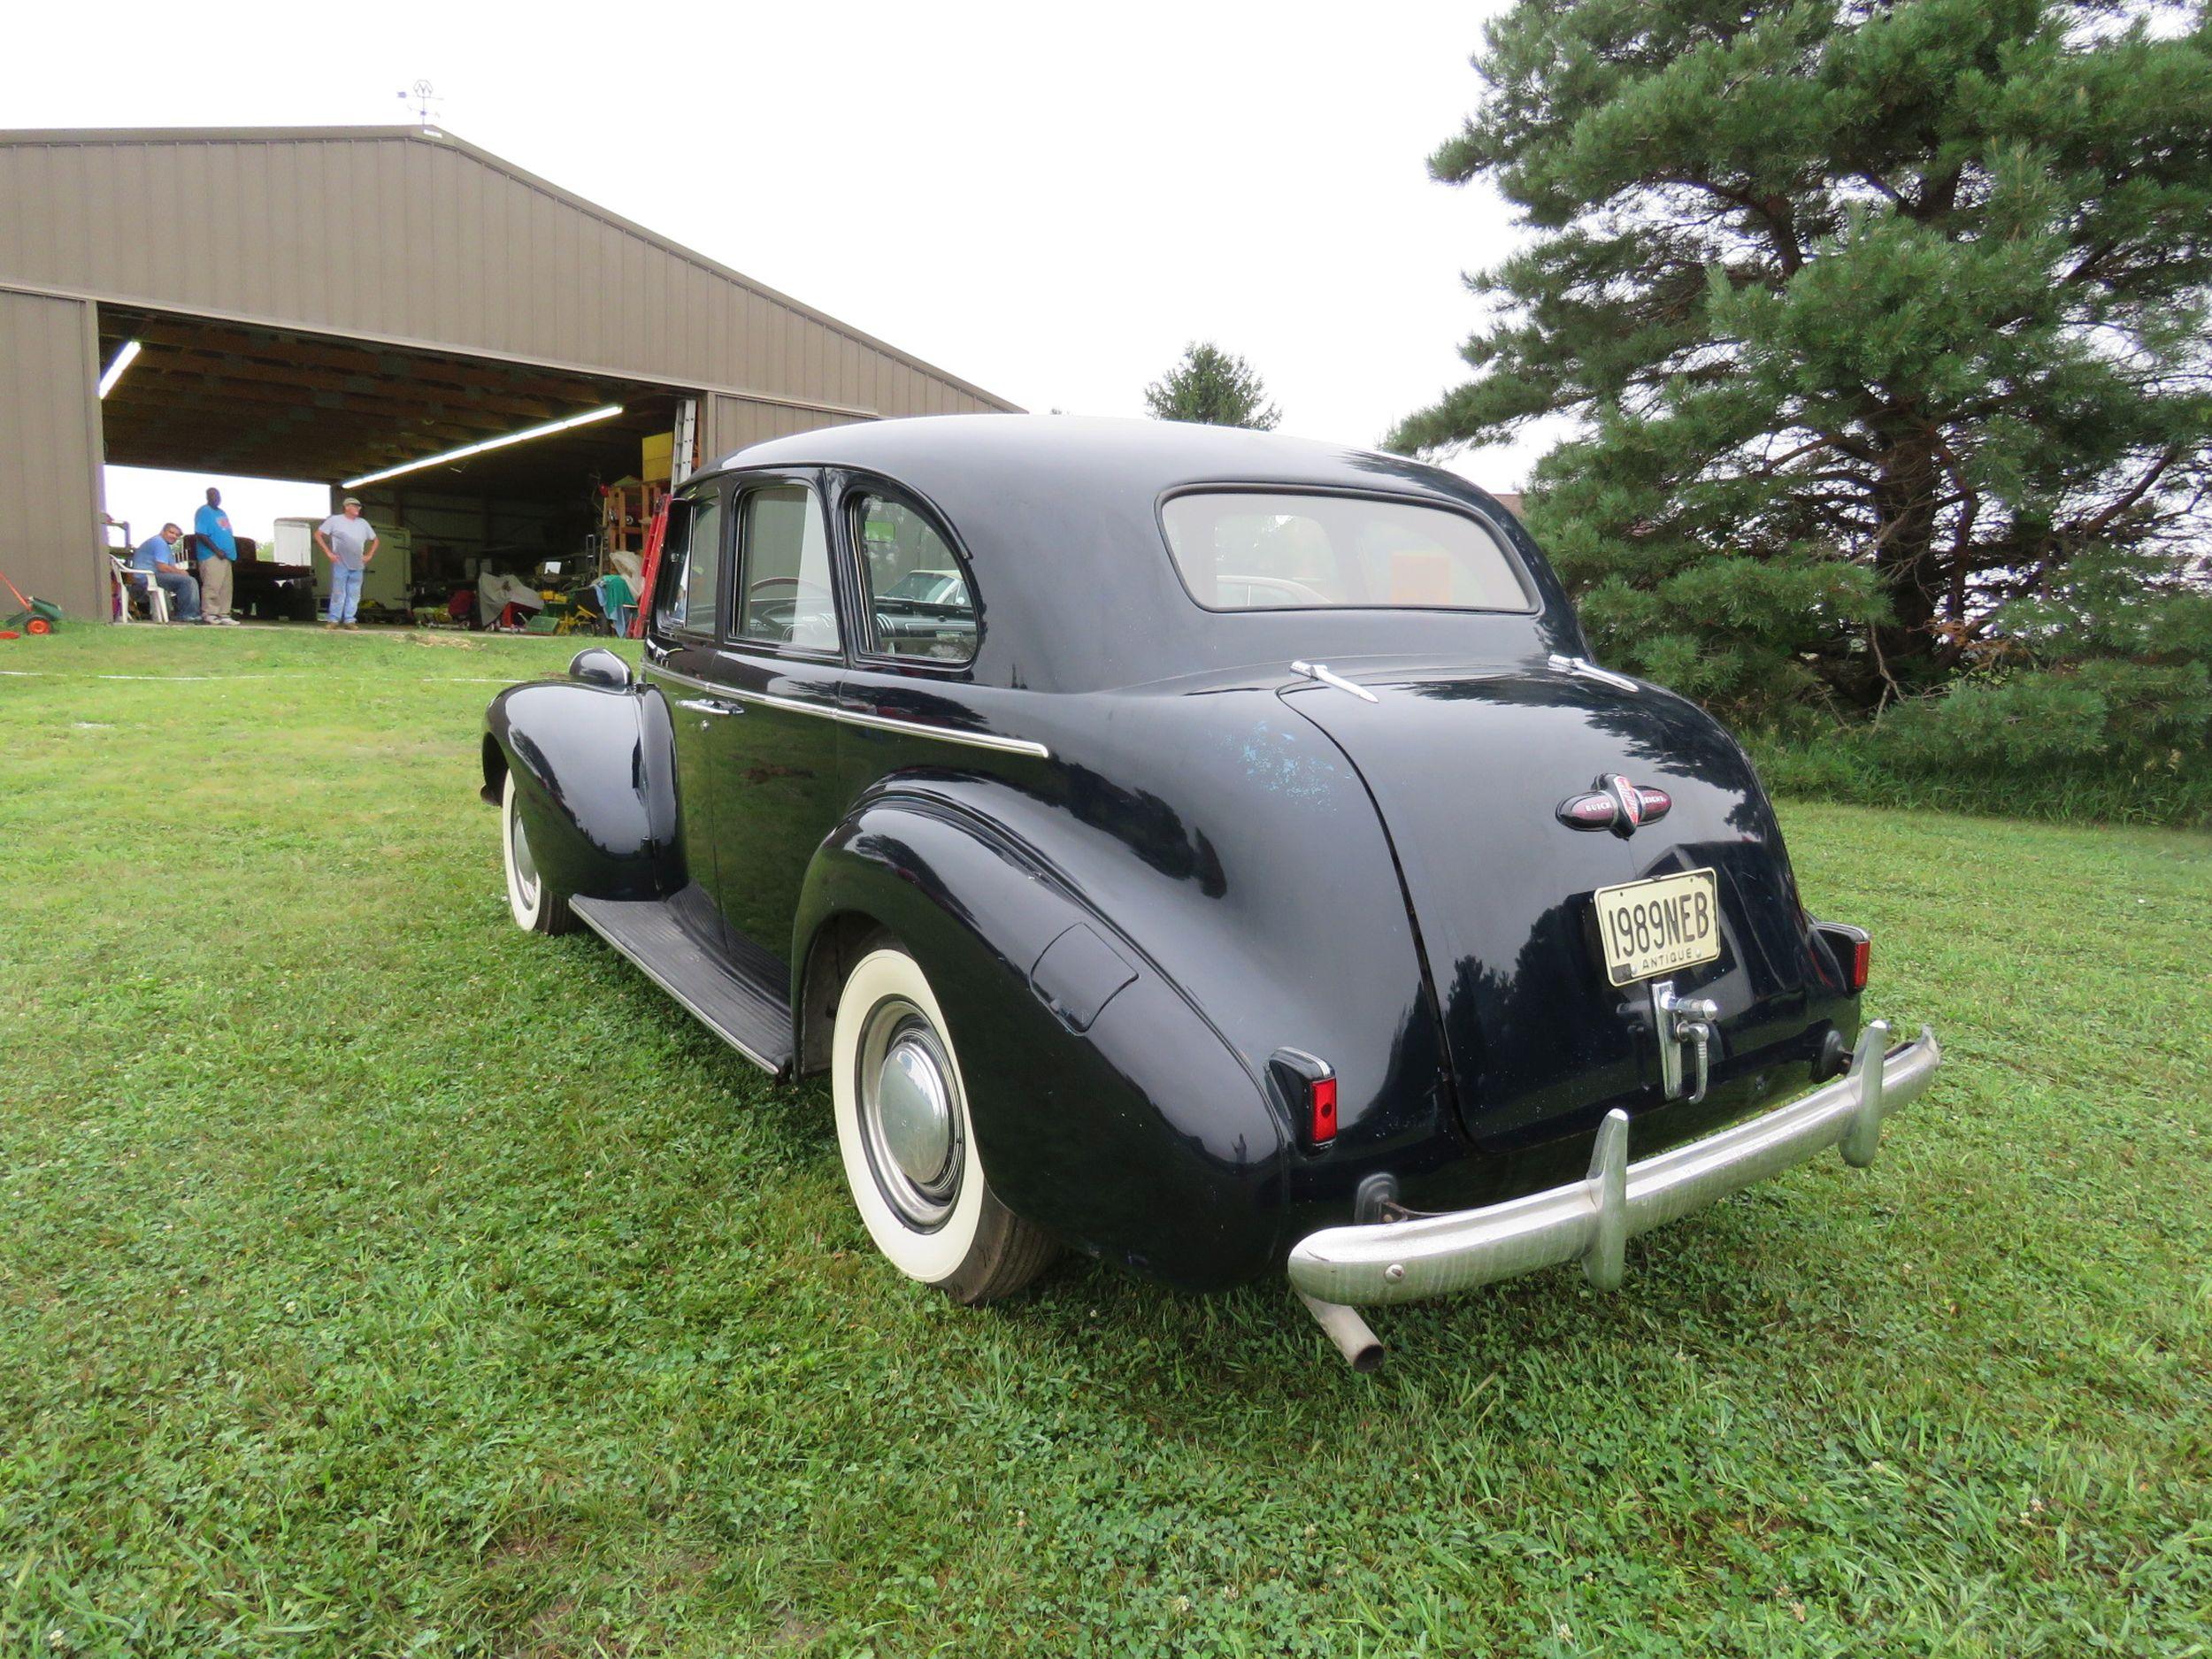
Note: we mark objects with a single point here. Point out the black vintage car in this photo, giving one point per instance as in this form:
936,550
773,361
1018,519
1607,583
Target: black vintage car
1241,866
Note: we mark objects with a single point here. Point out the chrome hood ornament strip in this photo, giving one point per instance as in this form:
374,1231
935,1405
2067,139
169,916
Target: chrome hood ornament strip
1589,670
1322,672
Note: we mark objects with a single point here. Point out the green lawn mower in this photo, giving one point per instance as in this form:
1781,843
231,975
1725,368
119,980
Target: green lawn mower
37,615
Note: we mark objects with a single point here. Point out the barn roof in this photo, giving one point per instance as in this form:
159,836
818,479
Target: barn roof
413,238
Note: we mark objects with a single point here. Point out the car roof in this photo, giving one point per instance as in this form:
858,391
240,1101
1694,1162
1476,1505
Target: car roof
1150,455
1058,514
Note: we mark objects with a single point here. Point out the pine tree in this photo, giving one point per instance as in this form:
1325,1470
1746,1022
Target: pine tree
1215,387
1876,318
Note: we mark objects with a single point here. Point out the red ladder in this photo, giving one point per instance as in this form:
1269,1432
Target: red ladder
649,571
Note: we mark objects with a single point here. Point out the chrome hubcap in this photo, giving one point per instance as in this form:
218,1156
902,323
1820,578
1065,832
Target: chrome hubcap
917,1116
909,1112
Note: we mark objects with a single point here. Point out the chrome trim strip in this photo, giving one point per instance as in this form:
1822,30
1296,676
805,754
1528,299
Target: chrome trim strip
854,717
681,679
1592,1219
1327,676
950,734
1589,670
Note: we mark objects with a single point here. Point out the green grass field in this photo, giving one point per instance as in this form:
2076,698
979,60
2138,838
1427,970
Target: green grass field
375,1279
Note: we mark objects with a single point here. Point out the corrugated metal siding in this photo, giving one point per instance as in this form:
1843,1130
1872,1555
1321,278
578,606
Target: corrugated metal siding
421,239
731,423
50,452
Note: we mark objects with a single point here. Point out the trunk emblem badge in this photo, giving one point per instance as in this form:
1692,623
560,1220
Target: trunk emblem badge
1613,803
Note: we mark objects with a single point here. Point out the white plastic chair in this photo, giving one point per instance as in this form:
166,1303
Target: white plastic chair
156,597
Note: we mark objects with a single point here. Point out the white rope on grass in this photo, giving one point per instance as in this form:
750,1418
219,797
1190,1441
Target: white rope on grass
427,679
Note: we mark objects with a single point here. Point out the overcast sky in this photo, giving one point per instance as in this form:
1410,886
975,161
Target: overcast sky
1048,200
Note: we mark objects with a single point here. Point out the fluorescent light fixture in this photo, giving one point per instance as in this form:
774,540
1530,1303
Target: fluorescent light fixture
462,453
123,360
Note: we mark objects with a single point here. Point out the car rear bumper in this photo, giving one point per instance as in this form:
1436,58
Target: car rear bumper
1592,1220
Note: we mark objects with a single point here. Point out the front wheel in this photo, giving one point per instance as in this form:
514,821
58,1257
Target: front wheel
531,900
909,1144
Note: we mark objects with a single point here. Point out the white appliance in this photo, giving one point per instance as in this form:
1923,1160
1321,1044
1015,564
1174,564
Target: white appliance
294,542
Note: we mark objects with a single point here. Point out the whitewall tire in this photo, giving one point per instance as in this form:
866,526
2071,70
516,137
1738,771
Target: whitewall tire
909,1145
531,899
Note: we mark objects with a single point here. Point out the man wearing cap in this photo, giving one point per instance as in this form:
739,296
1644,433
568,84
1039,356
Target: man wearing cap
219,550
348,544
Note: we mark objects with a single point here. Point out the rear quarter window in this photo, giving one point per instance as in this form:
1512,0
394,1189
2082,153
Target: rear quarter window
919,603
1271,550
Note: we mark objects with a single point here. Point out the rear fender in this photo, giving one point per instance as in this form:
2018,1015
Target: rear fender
1107,1109
595,781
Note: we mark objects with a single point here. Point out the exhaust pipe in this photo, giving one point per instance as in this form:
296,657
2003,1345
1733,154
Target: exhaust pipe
1361,1349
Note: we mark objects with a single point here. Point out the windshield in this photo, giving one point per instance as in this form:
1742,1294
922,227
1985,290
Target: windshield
1276,550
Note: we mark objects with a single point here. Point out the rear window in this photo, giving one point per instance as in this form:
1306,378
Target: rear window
1259,550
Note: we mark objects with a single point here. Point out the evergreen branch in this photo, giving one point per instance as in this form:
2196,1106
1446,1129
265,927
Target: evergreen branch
1911,297
1773,209
1881,184
2096,526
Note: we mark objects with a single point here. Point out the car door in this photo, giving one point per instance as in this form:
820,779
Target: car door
682,657
916,621
781,665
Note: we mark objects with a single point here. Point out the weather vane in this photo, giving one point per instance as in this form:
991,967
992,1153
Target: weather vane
425,99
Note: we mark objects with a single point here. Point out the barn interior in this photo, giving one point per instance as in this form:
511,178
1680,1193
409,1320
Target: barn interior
557,510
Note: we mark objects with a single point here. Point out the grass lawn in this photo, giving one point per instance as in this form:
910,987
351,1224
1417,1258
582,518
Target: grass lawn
375,1279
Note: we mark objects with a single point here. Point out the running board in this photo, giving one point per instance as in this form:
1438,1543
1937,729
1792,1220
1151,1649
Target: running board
740,1002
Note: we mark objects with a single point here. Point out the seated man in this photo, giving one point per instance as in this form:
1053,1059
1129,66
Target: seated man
176,581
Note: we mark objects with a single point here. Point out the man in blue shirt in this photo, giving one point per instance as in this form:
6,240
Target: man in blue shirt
153,554
219,551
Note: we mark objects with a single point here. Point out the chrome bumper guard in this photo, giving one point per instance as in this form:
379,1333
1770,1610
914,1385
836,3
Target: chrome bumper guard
1593,1220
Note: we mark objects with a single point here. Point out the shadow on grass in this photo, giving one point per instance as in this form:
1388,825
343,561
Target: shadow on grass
1739,1276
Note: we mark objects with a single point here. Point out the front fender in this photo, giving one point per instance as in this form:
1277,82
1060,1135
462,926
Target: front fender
1107,1109
595,782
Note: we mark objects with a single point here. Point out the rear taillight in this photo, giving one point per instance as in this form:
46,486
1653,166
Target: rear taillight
1307,1087
1322,1116
1853,950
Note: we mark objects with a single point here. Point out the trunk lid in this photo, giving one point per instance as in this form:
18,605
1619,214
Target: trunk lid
1468,768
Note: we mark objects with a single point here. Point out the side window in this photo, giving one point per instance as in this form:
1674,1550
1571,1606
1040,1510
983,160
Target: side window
919,602
784,554
690,564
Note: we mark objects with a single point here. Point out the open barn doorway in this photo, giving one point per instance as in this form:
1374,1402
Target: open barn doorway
140,500
503,494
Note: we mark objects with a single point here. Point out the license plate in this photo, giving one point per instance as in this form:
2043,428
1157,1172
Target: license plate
1655,927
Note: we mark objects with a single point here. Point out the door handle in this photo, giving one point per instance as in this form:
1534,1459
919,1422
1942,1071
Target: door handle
708,705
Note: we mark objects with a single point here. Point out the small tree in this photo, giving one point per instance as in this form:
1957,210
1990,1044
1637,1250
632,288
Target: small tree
1879,315
1213,387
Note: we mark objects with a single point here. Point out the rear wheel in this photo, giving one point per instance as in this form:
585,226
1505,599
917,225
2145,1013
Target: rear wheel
909,1144
531,899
